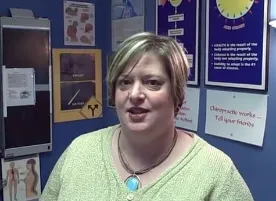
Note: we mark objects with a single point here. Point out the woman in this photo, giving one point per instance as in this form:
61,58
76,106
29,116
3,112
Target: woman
31,180
145,157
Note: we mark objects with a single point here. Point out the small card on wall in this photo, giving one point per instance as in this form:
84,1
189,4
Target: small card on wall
236,116
187,117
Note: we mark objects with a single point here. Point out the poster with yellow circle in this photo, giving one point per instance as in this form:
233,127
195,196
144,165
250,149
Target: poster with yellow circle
236,42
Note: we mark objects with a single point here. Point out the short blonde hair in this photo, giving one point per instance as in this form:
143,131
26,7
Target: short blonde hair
166,48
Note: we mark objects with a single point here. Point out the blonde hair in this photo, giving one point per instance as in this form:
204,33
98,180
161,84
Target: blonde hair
166,48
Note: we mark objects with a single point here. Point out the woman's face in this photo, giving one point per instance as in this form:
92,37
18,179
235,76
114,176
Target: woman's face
29,166
143,98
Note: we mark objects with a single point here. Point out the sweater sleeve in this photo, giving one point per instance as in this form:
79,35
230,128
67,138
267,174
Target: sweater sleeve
231,187
52,187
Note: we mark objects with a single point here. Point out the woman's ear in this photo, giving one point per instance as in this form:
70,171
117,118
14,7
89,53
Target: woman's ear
176,110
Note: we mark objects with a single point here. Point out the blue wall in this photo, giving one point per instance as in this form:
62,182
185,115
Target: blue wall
64,133
257,165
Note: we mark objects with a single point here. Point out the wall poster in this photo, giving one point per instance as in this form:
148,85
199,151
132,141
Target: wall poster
187,117
127,19
79,23
21,179
77,80
180,19
236,116
236,43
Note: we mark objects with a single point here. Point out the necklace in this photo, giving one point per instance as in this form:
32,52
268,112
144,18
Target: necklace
133,182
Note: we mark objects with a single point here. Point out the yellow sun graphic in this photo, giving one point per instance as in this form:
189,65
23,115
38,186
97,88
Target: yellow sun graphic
234,9
176,3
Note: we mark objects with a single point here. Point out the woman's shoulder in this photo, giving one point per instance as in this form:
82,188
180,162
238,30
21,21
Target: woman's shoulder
221,167
215,161
213,155
205,154
92,139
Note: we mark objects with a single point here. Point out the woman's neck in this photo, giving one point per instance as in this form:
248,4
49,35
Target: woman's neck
144,149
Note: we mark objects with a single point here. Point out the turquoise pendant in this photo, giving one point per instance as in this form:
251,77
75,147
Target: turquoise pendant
133,182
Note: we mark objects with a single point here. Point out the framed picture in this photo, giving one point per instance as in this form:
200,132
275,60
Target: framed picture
77,80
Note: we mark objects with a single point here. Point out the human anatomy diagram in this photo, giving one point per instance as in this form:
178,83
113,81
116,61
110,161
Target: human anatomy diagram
79,21
22,180
12,180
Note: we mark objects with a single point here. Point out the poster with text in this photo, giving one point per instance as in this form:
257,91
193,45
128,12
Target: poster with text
79,23
236,116
180,19
19,86
187,117
127,19
21,179
77,84
236,42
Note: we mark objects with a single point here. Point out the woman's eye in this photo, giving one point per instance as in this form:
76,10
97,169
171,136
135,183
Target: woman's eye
124,83
155,84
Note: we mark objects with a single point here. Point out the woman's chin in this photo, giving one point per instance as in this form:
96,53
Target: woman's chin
138,127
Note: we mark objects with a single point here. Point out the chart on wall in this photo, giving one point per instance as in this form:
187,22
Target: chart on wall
236,43
79,23
179,19
21,179
127,19
77,82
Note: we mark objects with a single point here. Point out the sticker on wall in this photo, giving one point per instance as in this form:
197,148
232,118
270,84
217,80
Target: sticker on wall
79,23
77,81
21,179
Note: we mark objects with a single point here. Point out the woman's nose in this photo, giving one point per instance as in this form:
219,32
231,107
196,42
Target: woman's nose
136,92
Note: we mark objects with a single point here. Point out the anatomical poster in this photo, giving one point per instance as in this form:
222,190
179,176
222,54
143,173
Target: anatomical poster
21,179
79,23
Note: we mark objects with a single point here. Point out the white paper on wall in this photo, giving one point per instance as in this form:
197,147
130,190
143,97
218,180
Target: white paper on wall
187,117
236,116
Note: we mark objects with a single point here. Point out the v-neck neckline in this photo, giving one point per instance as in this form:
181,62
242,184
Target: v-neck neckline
114,173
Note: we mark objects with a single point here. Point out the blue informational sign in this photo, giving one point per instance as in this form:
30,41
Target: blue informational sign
236,43
179,19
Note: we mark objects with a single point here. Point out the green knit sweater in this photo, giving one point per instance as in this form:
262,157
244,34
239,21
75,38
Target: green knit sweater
85,172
